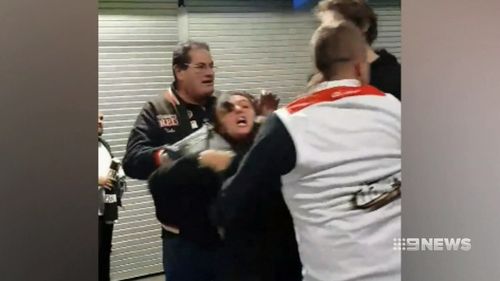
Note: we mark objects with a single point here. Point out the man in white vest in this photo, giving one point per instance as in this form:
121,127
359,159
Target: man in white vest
337,153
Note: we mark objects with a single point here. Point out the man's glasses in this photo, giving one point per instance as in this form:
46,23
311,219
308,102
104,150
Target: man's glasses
201,67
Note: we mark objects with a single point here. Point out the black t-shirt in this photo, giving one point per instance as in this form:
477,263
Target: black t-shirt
385,73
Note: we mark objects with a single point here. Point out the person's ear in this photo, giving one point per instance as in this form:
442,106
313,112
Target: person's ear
179,73
357,69
365,28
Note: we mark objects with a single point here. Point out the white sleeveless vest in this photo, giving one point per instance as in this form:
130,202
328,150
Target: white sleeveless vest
345,136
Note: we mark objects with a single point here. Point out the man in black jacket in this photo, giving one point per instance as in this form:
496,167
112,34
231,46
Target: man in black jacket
175,114
166,119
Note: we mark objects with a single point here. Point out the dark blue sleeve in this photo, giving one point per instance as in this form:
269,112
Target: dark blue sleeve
259,174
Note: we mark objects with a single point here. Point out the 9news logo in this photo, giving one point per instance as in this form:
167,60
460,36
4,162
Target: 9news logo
432,244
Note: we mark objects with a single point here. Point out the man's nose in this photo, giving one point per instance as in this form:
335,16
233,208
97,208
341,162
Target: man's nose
210,72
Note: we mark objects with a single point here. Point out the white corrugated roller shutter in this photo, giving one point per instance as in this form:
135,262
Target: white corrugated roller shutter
136,39
256,44
389,25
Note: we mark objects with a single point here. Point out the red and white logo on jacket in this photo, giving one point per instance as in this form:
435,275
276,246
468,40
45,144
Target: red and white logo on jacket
167,120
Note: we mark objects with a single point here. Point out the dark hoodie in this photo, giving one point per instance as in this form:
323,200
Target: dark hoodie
386,73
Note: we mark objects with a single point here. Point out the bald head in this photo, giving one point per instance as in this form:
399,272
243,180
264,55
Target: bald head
340,52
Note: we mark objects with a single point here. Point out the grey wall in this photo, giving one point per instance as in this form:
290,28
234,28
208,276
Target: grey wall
48,160
451,136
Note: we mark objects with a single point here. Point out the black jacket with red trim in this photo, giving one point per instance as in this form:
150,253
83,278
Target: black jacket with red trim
165,119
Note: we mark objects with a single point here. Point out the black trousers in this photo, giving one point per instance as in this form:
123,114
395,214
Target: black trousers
105,239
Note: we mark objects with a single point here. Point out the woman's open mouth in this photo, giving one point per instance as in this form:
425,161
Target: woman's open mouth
242,121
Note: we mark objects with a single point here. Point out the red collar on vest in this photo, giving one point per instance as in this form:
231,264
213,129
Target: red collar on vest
332,94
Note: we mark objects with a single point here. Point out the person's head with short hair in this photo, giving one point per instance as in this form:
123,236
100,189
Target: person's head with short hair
355,11
339,53
100,124
193,70
235,116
